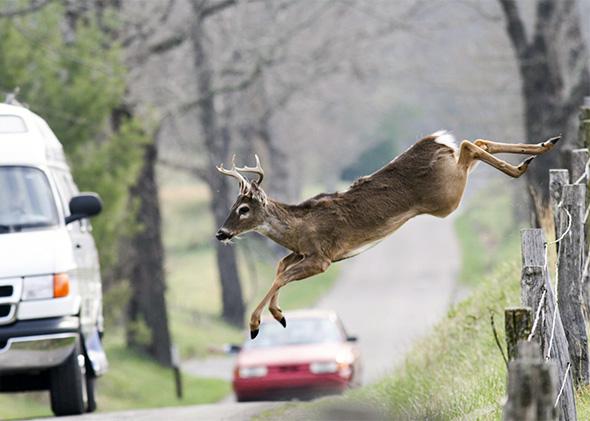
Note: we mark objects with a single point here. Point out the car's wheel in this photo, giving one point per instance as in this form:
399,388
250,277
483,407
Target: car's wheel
67,385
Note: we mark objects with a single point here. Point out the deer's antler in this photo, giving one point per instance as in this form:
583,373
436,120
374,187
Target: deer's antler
254,170
244,183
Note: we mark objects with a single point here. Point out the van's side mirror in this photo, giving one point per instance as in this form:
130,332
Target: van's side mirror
83,206
232,348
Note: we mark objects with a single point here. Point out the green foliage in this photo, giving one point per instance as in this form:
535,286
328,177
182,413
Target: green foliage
388,139
458,370
487,232
115,301
111,168
370,160
75,86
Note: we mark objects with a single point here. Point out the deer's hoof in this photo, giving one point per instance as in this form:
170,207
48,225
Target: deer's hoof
554,140
527,161
254,333
283,321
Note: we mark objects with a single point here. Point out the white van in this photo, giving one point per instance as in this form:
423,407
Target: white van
50,287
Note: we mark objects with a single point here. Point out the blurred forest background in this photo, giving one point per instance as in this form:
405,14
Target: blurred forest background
148,96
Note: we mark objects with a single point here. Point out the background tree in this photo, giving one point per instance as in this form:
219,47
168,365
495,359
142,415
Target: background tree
72,73
554,71
74,86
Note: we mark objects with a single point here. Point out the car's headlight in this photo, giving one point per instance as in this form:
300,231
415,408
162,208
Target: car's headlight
46,286
323,367
248,372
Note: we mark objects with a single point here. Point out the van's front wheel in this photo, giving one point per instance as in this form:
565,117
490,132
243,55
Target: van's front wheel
68,385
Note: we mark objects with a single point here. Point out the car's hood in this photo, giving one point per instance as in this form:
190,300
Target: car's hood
294,354
35,252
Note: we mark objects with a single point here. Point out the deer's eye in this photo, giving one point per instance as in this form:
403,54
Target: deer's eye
243,210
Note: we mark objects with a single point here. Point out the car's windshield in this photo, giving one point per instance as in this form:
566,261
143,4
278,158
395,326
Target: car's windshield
26,201
300,331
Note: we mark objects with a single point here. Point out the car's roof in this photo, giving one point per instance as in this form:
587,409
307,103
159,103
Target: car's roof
308,313
36,144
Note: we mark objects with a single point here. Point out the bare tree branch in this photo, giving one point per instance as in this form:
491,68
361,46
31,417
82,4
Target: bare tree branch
168,44
515,26
147,27
34,5
216,7
226,89
187,168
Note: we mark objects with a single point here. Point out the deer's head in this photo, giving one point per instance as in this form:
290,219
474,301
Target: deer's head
247,213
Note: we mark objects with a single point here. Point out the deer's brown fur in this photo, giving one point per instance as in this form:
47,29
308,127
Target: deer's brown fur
428,178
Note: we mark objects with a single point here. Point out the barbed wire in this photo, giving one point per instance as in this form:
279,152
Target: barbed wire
540,310
564,380
537,315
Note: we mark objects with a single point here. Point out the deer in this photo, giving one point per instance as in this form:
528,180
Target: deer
428,178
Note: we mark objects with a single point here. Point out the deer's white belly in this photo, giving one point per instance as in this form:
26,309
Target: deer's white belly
361,249
382,232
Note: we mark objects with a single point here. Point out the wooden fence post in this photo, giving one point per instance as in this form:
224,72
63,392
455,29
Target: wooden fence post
577,169
535,281
532,287
569,290
557,179
584,142
532,386
176,371
585,123
517,325
578,163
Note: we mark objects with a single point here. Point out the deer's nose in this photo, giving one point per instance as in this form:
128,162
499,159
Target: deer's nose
223,234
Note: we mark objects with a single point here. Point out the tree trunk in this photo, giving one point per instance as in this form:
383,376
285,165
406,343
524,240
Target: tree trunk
231,289
553,67
216,141
148,300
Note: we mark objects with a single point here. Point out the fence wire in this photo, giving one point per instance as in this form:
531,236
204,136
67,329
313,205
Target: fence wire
540,310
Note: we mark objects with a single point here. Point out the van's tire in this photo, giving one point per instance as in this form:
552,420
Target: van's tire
67,386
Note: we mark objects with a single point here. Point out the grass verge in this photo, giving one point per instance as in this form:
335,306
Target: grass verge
487,233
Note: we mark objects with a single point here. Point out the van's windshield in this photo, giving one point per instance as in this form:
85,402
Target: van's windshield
26,200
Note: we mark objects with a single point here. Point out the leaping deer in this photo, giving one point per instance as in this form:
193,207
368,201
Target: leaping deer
428,178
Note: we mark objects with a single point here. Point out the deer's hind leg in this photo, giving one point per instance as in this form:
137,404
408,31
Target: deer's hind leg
469,153
518,148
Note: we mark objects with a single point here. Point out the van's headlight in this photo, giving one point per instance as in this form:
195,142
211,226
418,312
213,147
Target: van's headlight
248,372
46,286
323,367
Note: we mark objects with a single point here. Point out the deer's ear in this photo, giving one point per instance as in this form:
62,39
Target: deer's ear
258,194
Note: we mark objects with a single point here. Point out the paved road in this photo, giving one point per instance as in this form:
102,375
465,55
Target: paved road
389,296
217,412
393,294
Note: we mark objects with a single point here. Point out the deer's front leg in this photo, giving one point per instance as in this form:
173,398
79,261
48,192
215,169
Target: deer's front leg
273,307
301,269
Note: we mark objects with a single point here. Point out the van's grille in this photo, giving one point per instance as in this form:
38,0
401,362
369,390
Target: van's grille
10,295
5,310
6,290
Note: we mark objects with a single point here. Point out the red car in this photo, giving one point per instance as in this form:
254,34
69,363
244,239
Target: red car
313,356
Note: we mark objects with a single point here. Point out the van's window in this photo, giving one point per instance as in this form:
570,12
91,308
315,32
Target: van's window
26,200
12,124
